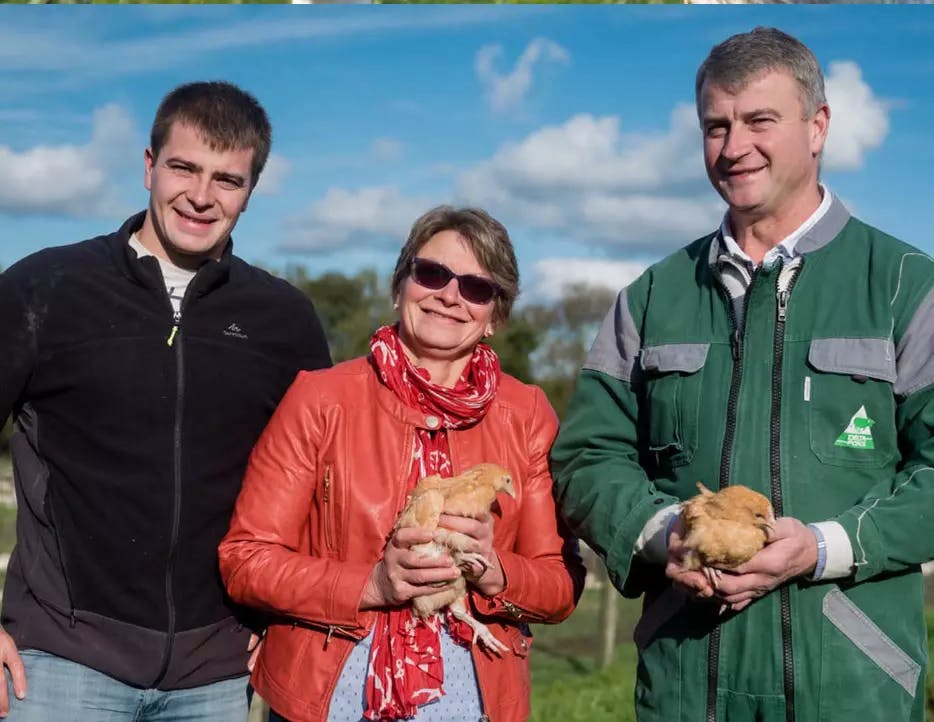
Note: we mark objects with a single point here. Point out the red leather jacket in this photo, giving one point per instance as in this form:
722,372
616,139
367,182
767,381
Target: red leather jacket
324,486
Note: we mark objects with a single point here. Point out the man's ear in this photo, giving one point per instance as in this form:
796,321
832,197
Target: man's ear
820,125
149,161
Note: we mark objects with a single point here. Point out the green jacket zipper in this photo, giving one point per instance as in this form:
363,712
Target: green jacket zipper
786,281
736,377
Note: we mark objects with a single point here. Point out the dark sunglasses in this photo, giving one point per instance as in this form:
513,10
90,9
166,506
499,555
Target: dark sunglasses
436,276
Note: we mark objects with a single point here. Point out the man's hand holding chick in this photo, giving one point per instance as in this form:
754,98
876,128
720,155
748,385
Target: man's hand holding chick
790,552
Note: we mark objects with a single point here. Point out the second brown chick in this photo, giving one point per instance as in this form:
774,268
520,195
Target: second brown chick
724,529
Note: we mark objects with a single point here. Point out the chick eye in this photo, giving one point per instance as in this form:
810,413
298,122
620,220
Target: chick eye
760,516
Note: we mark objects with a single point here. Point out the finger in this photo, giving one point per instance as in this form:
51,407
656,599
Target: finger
18,673
421,577
694,583
409,536
254,655
4,699
251,645
414,560
744,597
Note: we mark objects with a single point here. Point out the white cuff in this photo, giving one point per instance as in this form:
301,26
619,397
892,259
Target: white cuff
839,560
652,543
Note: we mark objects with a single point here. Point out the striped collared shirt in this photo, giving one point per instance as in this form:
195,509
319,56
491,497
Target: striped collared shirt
735,267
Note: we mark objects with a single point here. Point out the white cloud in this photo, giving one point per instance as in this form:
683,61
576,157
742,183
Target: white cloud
553,275
589,178
508,90
374,216
69,179
273,176
858,121
386,149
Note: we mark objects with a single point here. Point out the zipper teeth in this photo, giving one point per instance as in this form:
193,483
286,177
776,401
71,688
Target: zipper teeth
778,345
327,507
735,379
736,340
176,509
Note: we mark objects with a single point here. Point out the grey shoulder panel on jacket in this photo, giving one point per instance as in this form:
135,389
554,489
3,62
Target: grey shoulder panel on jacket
914,354
615,351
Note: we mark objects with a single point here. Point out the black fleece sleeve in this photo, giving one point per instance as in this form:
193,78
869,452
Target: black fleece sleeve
17,341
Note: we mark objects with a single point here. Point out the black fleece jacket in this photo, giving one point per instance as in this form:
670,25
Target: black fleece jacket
130,442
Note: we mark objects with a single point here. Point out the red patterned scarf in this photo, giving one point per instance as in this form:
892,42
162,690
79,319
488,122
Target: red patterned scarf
405,668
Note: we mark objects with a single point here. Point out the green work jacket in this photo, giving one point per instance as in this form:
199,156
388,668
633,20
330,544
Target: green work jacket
823,401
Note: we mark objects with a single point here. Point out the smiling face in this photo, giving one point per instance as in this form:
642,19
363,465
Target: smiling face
196,196
761,151
440,328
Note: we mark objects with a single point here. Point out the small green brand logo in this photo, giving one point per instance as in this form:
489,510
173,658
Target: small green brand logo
858,434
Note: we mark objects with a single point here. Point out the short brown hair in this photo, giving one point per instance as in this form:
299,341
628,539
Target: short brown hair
229,119
486,237
741,57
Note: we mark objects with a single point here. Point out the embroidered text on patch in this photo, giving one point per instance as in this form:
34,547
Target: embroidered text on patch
235,331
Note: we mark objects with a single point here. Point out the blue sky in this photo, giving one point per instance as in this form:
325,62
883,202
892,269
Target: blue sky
573,124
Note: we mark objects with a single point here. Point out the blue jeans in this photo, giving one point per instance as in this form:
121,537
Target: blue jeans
59,690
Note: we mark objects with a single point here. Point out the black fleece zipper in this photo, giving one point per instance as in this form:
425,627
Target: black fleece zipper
175,341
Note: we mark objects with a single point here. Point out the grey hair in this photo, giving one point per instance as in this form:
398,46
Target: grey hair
486,237
740,58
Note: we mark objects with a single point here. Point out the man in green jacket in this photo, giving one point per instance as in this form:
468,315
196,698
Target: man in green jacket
791,351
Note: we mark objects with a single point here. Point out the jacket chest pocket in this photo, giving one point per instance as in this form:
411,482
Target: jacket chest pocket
851,404
673,386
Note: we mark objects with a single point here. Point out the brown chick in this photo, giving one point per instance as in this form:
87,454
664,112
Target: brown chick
469,494
724,529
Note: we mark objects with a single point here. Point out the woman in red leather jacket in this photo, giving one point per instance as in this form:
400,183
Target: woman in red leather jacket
312,541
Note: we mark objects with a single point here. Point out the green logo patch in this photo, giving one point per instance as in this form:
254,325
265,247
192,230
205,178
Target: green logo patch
858,433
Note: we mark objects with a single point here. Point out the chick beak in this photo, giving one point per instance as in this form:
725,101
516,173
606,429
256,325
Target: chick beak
509,488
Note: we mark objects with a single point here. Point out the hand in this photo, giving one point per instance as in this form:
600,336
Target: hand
10,659
477,536
403,573
691,582
790,552
253,646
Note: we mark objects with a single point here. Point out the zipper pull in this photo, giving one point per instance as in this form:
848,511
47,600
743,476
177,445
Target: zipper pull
177,319
736,342
327,640
786,277
782,305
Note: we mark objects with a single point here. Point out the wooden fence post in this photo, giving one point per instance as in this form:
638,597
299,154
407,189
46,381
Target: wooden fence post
609,608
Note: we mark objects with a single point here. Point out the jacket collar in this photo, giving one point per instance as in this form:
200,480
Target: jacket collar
146,272
819,235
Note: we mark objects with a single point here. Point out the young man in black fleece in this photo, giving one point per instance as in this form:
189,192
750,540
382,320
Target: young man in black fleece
140,367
